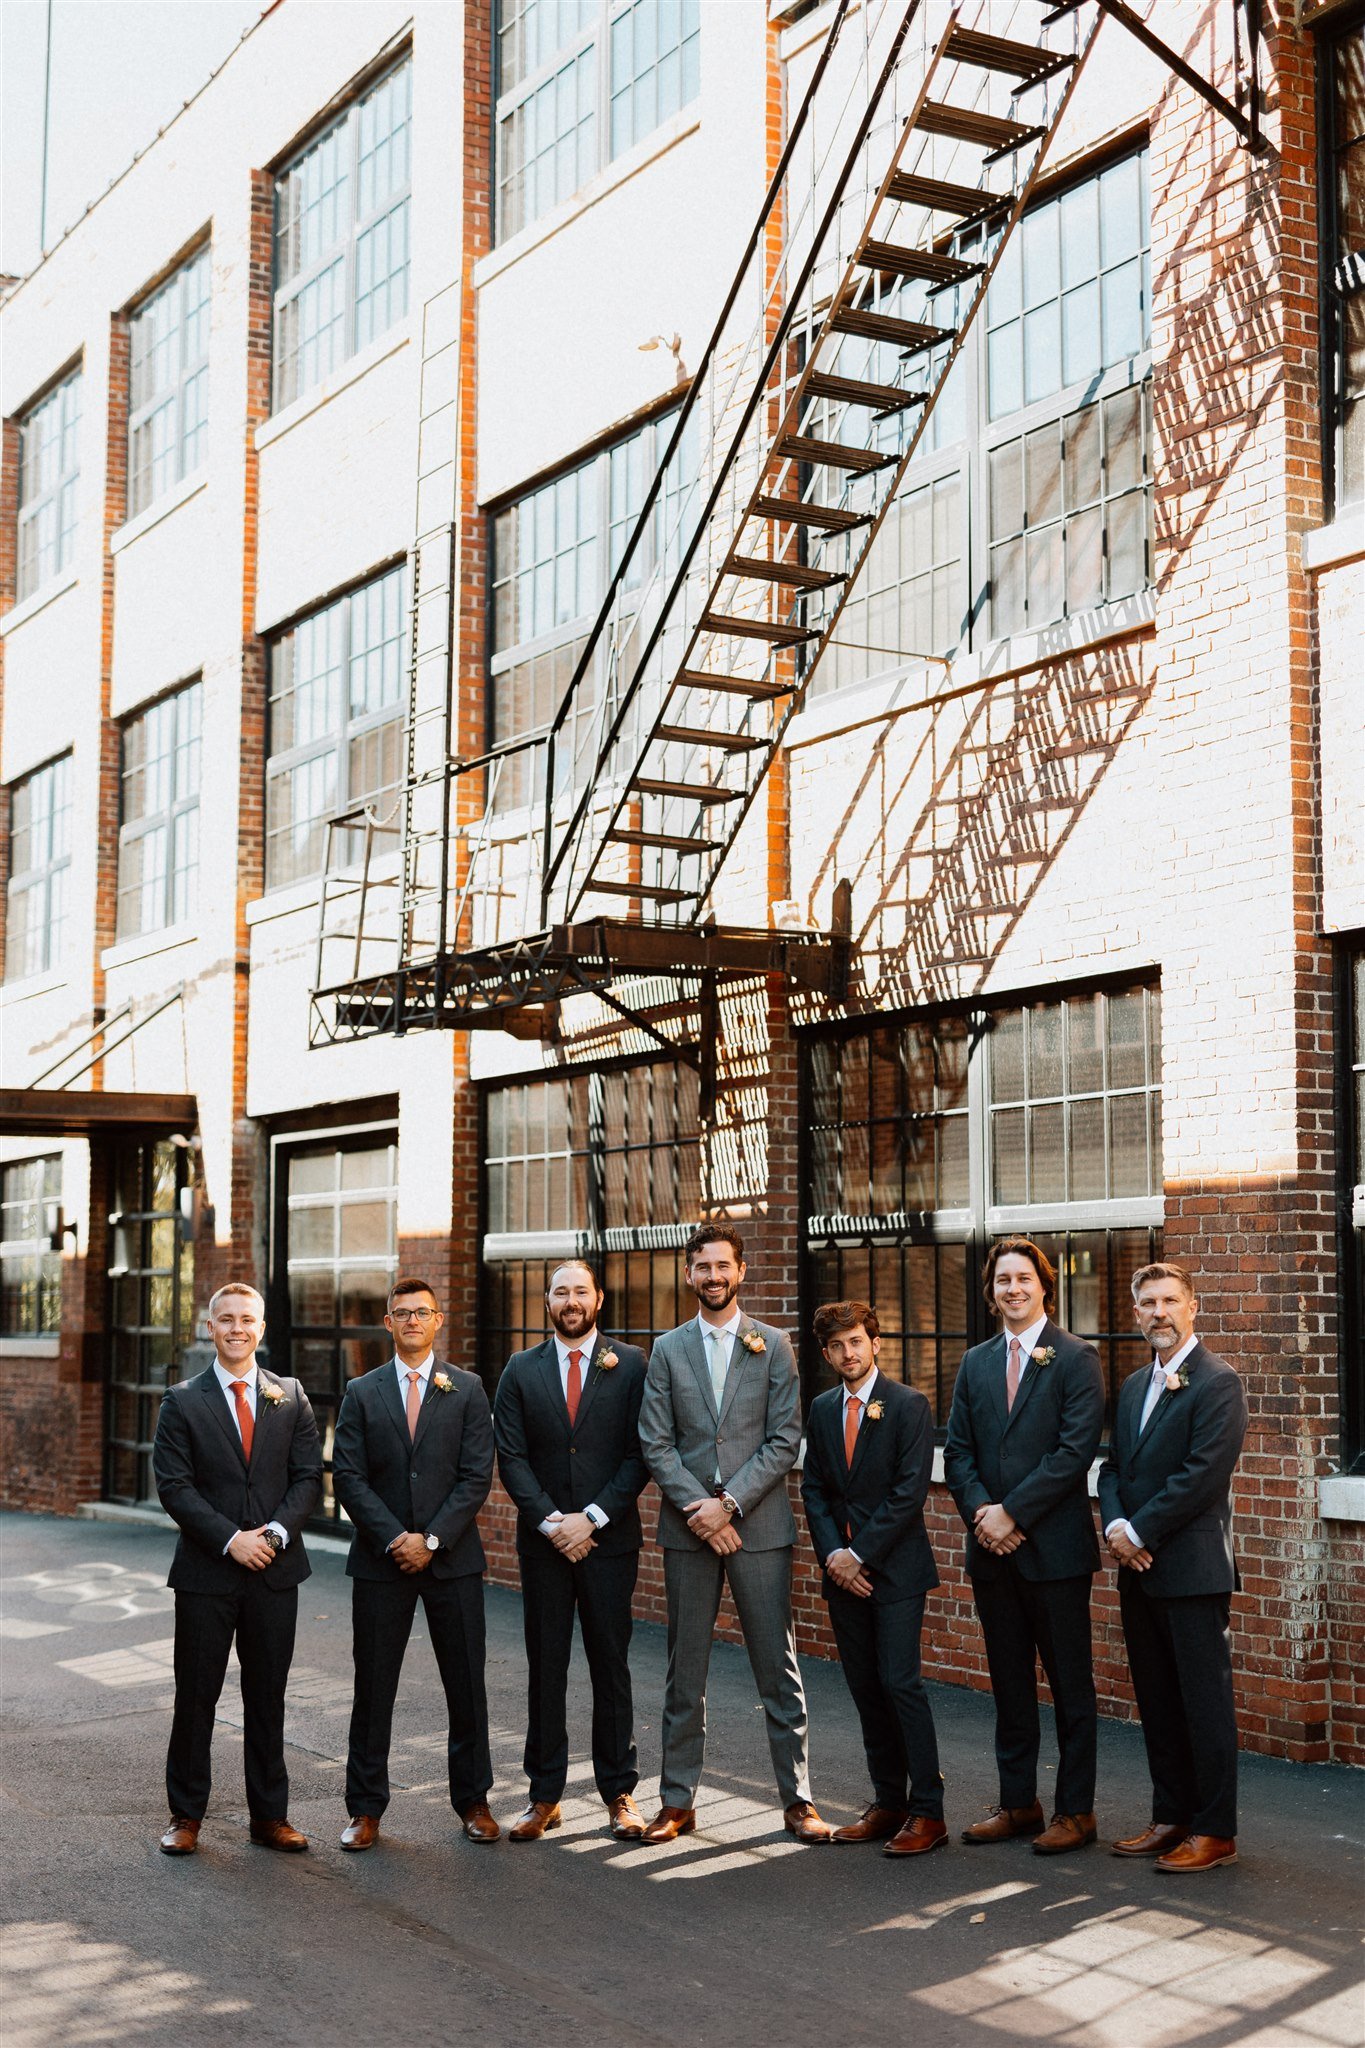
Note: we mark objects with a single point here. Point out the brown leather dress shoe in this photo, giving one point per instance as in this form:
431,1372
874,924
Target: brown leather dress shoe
627,1821
540,1815
360,1832
805,1823
917,1837
479,1824
670,1822
1199,1852
1155,1840
1002,1823
277,1834
876,1824
181,1837
1065,1831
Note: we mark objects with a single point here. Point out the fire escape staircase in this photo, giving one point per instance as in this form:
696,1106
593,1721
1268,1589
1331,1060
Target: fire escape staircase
908,164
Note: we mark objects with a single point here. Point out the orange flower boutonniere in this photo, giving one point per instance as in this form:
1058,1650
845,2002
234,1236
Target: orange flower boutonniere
443,1383
875,1411
606,1361
753,1342
273,1395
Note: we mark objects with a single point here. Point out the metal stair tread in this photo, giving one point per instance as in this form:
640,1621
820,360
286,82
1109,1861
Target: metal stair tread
830,454
735,686
669,842
798,574
880,398
805,512
906,334
694,792
707,736
774,630
968,202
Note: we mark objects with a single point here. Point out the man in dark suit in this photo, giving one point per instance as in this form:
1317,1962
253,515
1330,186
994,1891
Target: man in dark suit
869,1459
720,1427
1166,1507
238,1468
566,1420
1028,1410
412,1465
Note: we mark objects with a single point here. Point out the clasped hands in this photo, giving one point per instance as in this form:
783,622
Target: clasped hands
710,1519
1134,1555
250,1548
997,1530
571,1535
849,1573
409,1552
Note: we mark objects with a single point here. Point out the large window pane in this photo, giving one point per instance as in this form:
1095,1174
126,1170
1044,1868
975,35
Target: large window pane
168,383
40,861
49,475
159,825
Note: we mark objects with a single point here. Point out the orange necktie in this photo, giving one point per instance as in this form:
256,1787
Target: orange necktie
246,1422
573,1392
852,1413
1012,1371
414,1401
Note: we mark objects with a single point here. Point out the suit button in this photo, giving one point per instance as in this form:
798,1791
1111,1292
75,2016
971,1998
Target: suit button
719,1438
573,1450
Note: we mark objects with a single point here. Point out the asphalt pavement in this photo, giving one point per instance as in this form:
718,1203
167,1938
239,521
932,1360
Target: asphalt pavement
733,1935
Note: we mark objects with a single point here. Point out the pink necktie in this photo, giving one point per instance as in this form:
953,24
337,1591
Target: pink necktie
574,1389
1012,1371
414,1401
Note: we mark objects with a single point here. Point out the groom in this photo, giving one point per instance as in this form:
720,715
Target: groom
720,1427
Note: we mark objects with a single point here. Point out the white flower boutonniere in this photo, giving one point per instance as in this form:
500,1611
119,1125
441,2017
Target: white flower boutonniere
606,1361
272,1395
875,1411
753,1342
1175,1379
1044,1355
443,1383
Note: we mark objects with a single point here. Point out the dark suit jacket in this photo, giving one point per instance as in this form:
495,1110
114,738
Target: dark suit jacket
881,1497
1173,1483
205,1485
546,1466
433,1483
1034,1458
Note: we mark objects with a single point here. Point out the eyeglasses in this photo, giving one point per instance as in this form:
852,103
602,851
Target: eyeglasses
411,1315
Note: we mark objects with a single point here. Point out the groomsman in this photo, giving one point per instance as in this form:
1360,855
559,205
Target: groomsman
1027,1414
869,1459
566,1420
238,1468
1166,1506
412,1464
720,1426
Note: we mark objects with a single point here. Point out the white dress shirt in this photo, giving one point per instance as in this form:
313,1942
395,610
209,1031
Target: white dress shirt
226,1381
423,1370
1029,1341
1155,1388
586,1344
718,1340
858,1399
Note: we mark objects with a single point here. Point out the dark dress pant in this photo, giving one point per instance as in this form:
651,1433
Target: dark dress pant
601,1590
1180,1654
381,1621
1023,1620
879,1648
262,1621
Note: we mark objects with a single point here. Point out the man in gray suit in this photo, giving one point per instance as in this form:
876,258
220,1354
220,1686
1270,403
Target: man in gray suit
720,1427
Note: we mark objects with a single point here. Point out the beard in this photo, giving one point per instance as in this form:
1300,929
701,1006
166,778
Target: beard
573,1320
727,1289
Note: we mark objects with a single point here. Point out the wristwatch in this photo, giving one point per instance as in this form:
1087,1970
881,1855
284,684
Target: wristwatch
275,1540
433,1543
729,1503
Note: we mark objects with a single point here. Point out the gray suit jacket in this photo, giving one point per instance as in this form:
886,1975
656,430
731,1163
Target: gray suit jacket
753,1442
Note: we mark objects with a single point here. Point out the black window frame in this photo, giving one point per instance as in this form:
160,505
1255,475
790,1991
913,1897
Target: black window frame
1349,1034
1339,279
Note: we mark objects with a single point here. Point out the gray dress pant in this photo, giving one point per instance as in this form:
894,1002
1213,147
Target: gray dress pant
760,1585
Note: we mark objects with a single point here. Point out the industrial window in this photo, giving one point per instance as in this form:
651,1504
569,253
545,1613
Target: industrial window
554,551
341,237
580,82
49,471
168,401
1342,168
39,863
1030,500
930,1137
1351,1209
603,1166
30,1270
336,722
158,851
151,1307
337,1249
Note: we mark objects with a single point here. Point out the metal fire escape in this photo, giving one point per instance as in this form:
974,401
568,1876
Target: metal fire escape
580,859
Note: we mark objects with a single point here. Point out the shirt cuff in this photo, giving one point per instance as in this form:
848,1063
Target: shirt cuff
550,1523
281,1532
596,1516
231,1540
1129,1531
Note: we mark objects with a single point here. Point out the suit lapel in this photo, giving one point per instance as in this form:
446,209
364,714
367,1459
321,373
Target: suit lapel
1166,1400
548,1367
865,1429
393,1401
994,1368
1031,1372
590,1384
696,1358
432,1395
739,1357
1135,1388
218,1405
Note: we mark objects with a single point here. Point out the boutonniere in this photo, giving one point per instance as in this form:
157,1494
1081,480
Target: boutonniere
1176,1378
875,1411
606,1361
443,1383
1044,1355
753,1342
265,1392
